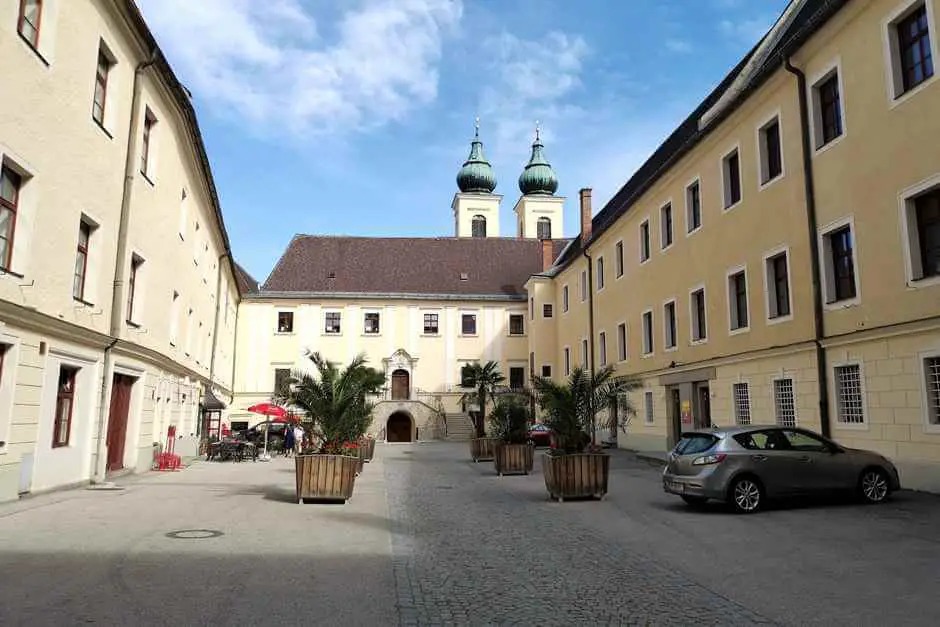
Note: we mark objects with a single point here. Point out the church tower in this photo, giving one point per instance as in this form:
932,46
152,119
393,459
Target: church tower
539,212
476,207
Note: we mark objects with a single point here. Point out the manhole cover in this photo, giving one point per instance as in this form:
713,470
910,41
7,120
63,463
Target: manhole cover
194,534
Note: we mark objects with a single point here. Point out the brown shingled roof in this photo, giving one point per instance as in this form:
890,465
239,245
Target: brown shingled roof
408,265
246,283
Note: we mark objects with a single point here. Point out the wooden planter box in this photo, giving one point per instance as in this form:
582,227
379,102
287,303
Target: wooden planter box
514,458
325,477
367,449
576,476
483,449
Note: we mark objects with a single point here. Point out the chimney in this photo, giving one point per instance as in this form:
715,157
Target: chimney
548,255
585,194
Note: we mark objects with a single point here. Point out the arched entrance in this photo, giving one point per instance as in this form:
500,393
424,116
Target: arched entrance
401,388
399,428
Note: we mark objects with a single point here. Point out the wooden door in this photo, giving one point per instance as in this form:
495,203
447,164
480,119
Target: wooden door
705,407
398,428
117,420
400,385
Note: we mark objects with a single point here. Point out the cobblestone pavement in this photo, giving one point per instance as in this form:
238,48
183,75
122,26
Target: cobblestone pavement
471,548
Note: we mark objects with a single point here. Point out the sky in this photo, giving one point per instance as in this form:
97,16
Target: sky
352,117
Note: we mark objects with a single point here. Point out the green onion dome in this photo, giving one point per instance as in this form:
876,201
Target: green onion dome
538,176
476,175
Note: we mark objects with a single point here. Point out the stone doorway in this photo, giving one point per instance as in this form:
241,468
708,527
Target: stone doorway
401,385
399,428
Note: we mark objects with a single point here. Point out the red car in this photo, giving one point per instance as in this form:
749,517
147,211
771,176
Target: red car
539,434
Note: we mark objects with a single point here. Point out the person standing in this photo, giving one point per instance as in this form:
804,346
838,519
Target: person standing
298,439
288,441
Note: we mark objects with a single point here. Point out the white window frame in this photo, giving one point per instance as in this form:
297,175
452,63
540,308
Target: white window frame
136,319
585,352
769,300
734,402
815,128
339,311
910,243
773,391
688,206
731,317
922,357
176,300
566,357
675,326
293,320
551,310
600,280
92,258
649,243
584,286
763,159
726,180
509,333
825,264
152,146
619,269
11,357
894,82
693,314
46,46
476,327
663,247
551,371
184,214
602,348
365,312
622,357
565,299
647,351
649,408
26,212
865,425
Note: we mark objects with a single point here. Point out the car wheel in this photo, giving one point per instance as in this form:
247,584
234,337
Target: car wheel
873,485
694,501
747,495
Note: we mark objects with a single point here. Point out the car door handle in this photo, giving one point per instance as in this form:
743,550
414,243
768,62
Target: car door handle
805,459
759,458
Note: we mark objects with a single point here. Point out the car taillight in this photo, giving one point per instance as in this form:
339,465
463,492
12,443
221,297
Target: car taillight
706,460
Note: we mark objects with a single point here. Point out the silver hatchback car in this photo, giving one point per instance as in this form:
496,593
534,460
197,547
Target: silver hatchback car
744,466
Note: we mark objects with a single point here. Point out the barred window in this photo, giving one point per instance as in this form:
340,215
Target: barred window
849,394
648,406
784,403
932,375
742,404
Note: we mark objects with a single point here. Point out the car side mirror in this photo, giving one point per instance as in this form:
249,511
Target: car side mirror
835,450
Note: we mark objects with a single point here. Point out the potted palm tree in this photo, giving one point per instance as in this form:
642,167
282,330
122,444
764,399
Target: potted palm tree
510,424
575,466
484,379
338,413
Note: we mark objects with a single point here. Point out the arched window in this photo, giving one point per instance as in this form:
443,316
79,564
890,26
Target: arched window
478,226
544,228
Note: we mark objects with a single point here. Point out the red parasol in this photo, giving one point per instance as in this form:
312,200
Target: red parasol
269,409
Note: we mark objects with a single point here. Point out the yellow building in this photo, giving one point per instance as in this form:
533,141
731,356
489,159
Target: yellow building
777,259
118,293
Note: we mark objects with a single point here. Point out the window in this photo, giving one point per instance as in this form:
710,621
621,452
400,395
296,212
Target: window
584,286
827,109
332,322
564,298
371,323
567,361
622,341
136,263
30,21
784,403
932,385
799,441
64,405
923,224
839,260
648,407
546,371
778,286
149,121
669,324
737,300
647,332
771,155
466,376
189,332
699,319
431,324
665,226
516,324
849,406
81,261
532,308
693,207
731,175
543,228
742,403
602,348
281,381
912,56
174,317
105,63
516,377
478,226
618,259
547,310
10,185
644,241
584,353
468,324
285,322
600,273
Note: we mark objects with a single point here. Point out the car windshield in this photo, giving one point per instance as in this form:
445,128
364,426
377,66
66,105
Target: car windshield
694,443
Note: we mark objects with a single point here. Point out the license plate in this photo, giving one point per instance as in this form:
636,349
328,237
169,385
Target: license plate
676,486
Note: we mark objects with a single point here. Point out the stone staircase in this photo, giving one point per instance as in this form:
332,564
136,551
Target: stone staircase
459,427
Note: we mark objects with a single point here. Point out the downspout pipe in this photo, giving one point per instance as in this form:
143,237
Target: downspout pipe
120,271
819,331
590,294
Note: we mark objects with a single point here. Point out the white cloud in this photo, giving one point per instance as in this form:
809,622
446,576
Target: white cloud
268,62
748,30
678,45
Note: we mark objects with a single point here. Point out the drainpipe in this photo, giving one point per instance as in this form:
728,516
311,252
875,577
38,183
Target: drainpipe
586,231
813,231
117,293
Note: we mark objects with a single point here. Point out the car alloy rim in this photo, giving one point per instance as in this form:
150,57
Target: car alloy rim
746,495
874,486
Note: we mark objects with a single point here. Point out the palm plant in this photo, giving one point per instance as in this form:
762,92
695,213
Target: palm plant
334,400
571,407
484,379
510,419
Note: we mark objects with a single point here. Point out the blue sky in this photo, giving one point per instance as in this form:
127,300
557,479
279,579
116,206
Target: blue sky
353,116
